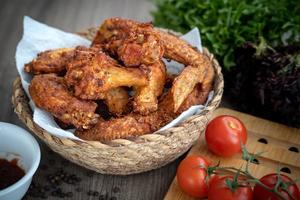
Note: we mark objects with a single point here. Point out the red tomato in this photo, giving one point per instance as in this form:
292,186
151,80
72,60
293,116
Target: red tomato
191,176
225,134
270,180
218,190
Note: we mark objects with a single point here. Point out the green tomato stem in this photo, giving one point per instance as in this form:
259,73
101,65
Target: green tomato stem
251,179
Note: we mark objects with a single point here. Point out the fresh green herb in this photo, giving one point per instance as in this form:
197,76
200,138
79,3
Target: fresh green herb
227,24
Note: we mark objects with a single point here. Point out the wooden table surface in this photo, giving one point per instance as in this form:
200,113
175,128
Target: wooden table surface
73,15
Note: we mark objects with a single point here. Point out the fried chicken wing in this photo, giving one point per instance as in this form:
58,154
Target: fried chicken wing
185,82
133,45
50,93
92,73
174,48
196,71
200,91
136,46
140,48
136,124
117,29
128,126
145,100
51,61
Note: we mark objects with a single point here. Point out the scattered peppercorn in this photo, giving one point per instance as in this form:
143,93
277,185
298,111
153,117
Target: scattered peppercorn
116,189
78,189
104,196
93,193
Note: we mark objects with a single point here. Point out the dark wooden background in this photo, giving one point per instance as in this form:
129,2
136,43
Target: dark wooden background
72,16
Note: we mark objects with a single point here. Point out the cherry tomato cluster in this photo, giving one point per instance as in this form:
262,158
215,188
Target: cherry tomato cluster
225,136
193,180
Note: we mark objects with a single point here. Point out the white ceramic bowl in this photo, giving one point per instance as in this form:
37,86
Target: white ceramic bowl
17,141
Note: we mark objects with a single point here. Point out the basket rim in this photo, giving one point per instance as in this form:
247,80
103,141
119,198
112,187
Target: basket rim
116,143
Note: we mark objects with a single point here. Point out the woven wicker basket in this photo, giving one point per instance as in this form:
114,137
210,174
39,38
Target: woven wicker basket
124,156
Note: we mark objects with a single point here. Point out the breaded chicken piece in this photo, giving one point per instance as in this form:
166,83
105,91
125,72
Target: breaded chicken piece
174,49
200,91
197,66
136,124
128,126
51,61
137,47
146,98
92,73
49,92
133,45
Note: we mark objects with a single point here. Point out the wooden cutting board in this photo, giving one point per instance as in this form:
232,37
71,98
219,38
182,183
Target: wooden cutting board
280,144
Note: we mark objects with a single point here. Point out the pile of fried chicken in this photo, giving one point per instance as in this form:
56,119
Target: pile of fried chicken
118,87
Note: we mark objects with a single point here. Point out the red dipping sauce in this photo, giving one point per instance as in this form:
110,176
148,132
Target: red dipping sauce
10,173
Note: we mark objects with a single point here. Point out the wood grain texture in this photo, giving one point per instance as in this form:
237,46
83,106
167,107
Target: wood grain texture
72,16
276,153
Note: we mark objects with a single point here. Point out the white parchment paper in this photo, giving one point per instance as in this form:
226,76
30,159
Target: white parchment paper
38,37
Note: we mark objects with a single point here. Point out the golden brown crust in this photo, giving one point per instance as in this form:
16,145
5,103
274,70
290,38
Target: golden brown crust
50,93
92,73
140,48
128,126
197,97
136,124
191,87
184,84
136,46
132,42
174,48
145,100
51,61
195,72
117,101
117,29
